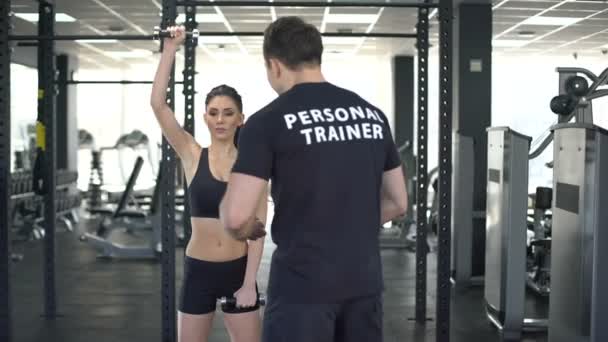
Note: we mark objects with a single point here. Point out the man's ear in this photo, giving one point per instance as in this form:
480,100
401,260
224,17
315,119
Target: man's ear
276,67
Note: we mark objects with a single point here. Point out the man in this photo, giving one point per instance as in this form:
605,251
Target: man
336,176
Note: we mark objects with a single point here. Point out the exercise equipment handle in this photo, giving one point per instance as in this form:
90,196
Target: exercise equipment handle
232,300
158,33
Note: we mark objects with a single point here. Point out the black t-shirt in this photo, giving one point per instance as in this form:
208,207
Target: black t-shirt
324,149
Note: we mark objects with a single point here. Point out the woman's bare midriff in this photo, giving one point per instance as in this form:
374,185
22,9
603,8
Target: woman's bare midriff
210,242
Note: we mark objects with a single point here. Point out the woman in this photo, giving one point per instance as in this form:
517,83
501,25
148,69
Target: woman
215,265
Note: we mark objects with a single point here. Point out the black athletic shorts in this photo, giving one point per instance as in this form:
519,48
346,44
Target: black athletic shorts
354,320
206,281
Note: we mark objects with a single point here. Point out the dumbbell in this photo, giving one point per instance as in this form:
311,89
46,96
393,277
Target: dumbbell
24,182
14,183
28,180
229,303
158,33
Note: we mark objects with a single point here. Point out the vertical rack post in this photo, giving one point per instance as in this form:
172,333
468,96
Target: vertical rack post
169,13
189,94
5,172
46,106
445,170
422,43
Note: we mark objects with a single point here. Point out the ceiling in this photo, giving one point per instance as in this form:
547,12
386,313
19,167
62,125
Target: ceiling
521,27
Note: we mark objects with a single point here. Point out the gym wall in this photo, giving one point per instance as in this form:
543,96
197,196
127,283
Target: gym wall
24,106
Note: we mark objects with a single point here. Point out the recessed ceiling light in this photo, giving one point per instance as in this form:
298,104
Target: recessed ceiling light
116,28
551,21
59,17
337,18
345,30
526,34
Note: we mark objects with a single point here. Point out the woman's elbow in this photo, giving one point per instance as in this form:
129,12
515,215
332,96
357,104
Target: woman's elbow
155,104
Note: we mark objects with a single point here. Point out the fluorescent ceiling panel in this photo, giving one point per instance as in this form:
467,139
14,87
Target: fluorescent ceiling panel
218,39
337,18
97,41
551,21
202,18
33,17
137,53
508,43
341,40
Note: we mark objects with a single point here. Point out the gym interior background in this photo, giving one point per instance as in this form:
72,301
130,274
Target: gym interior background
506,78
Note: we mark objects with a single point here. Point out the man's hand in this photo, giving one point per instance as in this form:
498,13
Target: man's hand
258,230
253,231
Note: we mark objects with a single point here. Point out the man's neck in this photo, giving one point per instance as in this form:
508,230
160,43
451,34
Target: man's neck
306,75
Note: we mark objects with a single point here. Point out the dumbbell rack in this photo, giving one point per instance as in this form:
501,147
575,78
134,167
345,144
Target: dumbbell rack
27,208
95,180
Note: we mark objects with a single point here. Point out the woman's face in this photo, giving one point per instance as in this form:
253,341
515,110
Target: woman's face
223,117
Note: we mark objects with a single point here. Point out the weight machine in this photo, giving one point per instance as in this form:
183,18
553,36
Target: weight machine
571,253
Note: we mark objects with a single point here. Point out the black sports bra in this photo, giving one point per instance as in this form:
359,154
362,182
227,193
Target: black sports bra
205,190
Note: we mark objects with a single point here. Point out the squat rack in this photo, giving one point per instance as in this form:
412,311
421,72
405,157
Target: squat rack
46,69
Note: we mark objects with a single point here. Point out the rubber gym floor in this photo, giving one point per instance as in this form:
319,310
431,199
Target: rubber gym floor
120,300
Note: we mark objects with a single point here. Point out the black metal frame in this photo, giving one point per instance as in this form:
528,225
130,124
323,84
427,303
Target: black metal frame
46,106
446,13
422,45
24,38
303,4
5,173
189,112
123,82
169,13
169,333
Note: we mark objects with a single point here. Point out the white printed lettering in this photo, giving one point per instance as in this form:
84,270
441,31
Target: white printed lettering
341,114
329,115
353,131
367,130
333,135
307,132
370,114
320,134
357,112
378,132
379,117
317,115
290,119
304,118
